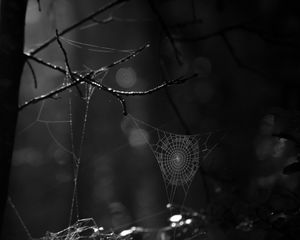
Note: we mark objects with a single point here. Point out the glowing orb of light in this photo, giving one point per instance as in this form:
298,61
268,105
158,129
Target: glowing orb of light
175,218
126,77
138,137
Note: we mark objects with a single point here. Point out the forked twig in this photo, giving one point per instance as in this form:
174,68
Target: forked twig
90,76
69,71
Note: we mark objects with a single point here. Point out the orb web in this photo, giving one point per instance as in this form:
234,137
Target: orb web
70,143
179,156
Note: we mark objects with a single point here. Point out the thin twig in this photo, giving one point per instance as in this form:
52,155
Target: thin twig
114,92
124,59
44,63
39,5
50,94
166,31
123,103
77,24
69,71
33,73
96,72
64,53
89,78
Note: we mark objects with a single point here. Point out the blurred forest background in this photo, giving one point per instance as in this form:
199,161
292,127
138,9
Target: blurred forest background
246,54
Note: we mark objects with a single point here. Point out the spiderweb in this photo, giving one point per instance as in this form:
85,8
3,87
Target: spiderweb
77,228
82,227
179,156
95,48
179,173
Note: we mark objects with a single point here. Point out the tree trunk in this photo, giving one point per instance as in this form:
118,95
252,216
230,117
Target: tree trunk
12,25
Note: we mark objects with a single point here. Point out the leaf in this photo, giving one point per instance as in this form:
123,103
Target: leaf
292,168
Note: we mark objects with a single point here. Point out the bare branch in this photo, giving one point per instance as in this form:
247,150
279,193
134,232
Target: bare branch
64,53
123,103
98,71
33,73
46,64
69,71
50,94
39,5
77,24
116,93
124,59
176,81
89,78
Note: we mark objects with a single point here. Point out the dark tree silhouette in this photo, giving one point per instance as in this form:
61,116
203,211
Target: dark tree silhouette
248,82
12,25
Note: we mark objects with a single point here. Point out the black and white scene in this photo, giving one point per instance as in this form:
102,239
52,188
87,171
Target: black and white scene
149,120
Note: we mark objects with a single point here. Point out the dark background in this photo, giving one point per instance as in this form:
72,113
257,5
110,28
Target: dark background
247,56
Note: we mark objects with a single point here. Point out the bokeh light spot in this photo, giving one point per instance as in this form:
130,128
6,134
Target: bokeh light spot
125,125
175,218
138,137
60,156
126,77
28,156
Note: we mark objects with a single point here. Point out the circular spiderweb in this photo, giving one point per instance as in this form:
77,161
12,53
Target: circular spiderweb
178,158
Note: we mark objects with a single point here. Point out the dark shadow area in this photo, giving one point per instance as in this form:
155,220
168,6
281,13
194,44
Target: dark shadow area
211,89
